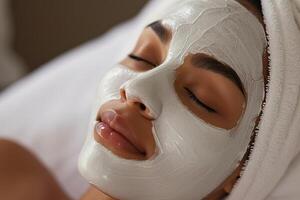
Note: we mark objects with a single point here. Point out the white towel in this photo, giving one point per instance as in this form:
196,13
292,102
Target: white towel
49,110
278,140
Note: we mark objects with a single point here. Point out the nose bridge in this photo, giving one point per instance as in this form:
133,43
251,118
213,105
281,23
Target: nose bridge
146,87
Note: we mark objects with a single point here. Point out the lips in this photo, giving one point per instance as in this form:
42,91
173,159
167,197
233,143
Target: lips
112,132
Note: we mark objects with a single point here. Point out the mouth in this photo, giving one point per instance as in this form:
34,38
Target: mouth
114,136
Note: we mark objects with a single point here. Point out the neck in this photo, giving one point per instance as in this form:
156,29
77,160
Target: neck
92,193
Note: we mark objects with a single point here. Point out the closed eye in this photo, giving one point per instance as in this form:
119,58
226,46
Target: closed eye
198,102
137,58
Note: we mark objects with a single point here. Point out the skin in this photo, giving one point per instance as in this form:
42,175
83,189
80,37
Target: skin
186,75
23,176
19,182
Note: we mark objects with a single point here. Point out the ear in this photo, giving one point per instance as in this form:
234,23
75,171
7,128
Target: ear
231,180
225,188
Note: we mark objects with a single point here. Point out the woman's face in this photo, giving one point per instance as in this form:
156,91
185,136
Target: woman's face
200,75
181,105
208,88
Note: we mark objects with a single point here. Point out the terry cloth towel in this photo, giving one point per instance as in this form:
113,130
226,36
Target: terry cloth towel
273,170
49,110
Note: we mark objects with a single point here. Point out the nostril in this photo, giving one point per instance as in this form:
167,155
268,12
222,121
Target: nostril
144,111
123,94
135,102
142,107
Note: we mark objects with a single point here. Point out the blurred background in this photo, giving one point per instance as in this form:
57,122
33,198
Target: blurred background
32,32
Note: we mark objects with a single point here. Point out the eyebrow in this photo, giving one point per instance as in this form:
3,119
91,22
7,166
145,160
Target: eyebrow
160,30
209,63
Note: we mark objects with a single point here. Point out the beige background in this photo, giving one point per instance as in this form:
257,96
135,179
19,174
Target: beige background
46,28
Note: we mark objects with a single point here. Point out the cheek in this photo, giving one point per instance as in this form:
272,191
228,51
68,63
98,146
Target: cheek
188,135
233,101
213,89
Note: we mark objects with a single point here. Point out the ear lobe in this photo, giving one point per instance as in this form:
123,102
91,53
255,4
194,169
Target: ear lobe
228,187
231,181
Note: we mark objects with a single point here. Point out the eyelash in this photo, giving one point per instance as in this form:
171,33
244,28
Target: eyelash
200,103
137,58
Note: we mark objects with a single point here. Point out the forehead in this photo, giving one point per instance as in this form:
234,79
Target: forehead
198,21
222,29
189,11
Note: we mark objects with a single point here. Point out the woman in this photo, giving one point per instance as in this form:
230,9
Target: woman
137,104
182,105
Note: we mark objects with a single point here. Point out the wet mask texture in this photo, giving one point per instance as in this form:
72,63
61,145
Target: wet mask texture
192,157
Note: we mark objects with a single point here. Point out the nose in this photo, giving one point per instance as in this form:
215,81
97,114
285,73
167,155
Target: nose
137,104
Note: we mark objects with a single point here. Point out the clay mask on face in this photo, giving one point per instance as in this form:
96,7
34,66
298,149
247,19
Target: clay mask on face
192,157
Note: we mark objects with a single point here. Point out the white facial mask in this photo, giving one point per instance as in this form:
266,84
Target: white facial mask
193,157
